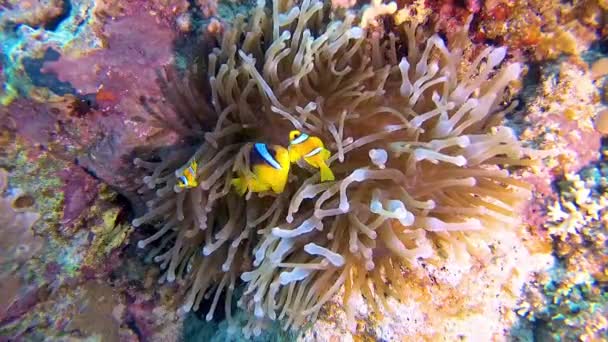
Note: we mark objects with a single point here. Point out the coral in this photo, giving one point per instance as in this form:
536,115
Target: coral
601,122
27,165
561,118
599,69
115,305
438,198
450,15
376,9
544,29
17,242
98,311
23,46
88,73
91,125
448,301
568,300
54,136
417,13
32,13
78,232
73,73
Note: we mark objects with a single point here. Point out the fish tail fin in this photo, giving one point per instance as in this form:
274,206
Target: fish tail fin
239,185
326,173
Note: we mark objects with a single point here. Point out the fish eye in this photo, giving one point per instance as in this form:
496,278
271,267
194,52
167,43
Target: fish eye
294,134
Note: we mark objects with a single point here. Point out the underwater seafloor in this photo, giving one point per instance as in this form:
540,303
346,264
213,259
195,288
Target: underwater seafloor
77,79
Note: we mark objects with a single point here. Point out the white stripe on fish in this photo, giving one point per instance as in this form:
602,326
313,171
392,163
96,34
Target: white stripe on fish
262,150
302,138
313,152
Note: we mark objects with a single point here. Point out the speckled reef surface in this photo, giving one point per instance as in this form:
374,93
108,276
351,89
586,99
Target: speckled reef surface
82,84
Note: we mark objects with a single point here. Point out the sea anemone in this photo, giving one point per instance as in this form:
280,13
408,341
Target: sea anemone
418,155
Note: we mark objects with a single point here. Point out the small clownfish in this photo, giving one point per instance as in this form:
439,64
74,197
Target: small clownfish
188,178
270,168
312,150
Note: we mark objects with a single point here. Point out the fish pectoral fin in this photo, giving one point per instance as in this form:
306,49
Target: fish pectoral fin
293,157
326,174
239,185
257,186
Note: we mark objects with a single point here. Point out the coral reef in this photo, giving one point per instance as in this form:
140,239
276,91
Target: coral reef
75,75
32,13
60,228
567,300
437,197
55,136
17,242
570,300
562,118
544,29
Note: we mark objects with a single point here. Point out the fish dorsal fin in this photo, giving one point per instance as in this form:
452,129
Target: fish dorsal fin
261,152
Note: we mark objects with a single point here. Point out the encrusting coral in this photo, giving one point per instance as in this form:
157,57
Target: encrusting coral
418,156
18,244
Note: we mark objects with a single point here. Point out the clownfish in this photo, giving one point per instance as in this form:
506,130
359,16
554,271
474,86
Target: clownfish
312,150
270,168
188,178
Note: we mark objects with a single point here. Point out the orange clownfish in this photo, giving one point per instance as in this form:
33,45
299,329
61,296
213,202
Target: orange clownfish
312,150
269,168
188,178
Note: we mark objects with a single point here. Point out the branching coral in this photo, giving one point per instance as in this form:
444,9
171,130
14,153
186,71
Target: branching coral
418,156
569,299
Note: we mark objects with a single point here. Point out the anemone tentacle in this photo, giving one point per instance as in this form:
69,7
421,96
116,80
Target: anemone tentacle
418,162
